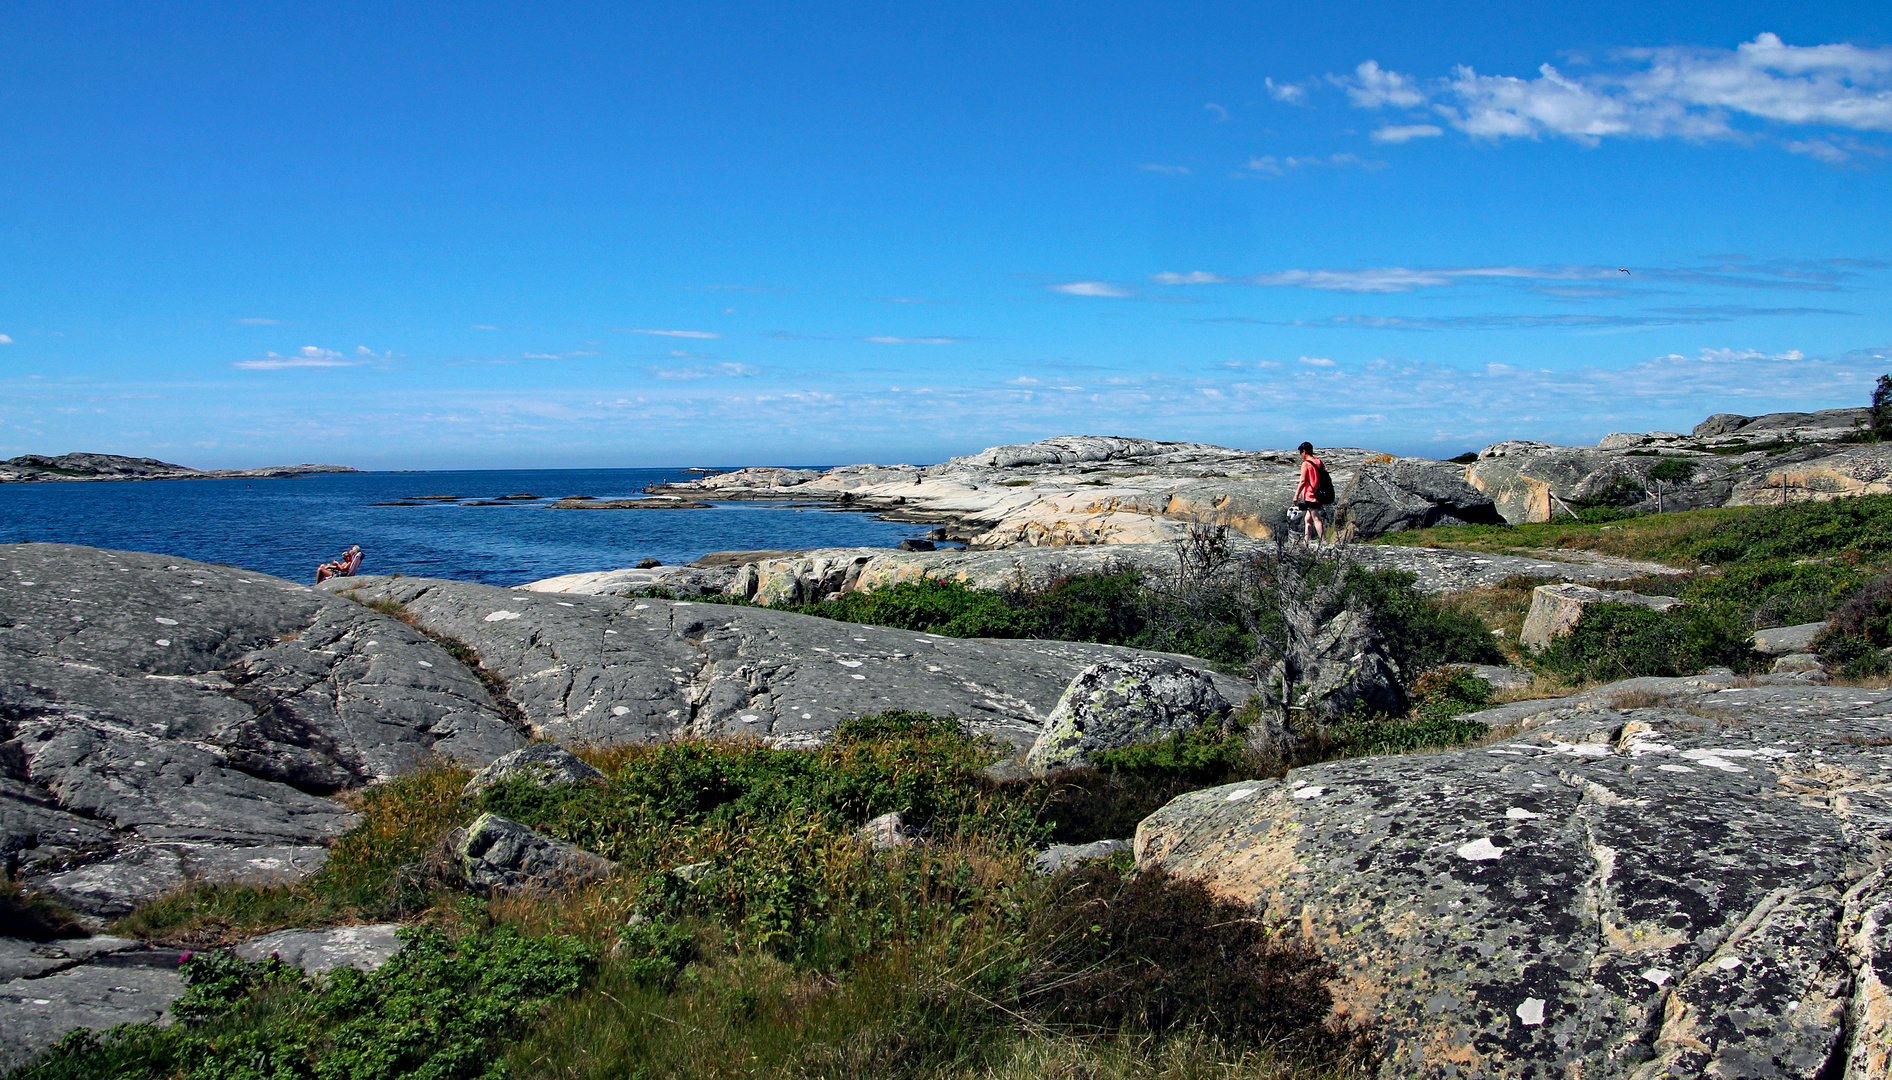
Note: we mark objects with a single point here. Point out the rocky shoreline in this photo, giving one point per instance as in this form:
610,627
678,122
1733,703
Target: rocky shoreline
81,468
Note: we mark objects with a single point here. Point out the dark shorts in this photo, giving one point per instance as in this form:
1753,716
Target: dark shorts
1310,507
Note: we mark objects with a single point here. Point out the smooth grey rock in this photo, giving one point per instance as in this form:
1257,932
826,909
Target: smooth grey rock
317,952
1721,424
1121,703
1556,609
889,830
23,959
1411,494
500,854
163,716
119,986
1781,640
610,669
545,764
1795,663
1059,857
1691,889
1500,678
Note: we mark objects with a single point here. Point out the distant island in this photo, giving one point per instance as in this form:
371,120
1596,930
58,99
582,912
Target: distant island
39,468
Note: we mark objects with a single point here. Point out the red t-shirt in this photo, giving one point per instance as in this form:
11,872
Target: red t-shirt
1310,476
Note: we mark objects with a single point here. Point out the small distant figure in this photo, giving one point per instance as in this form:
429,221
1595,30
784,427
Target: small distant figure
344,565
1623,270
1315,492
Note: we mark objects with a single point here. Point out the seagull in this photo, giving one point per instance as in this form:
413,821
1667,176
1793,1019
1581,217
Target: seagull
1623,270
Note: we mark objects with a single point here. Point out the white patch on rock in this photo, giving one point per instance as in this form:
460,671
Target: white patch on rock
164,641
619,710
1531,1012
1658,976
863,678
1238,796
1728,963
1518,813
848,663
1310,793
502,616
1673,768
1480,850
423,663
162,621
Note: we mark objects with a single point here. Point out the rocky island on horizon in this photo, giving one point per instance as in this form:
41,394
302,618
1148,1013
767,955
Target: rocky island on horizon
84,467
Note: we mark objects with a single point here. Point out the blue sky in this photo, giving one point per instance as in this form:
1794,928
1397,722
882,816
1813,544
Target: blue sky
545,235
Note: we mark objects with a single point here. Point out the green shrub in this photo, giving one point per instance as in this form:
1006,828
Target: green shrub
1421,634
1860,627
1447,692
439,1009
1196,753
1621,641
1674,470
1778,592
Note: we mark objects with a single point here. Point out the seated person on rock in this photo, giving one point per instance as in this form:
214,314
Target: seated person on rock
344,565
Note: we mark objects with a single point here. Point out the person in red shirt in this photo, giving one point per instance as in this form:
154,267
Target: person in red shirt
1304,497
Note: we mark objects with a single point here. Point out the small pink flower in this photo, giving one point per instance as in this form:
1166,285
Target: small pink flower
186,958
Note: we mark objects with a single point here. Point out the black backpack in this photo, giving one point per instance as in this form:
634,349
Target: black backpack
1323,485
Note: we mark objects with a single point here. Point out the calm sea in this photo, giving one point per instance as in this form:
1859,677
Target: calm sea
287,527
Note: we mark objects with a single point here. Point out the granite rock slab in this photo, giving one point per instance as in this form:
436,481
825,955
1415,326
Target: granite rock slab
162,719
317,952
610,669
1696,888
100,984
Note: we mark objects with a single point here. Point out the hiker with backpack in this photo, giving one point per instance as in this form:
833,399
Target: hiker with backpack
1315,493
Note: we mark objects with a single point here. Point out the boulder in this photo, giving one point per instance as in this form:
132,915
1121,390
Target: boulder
889,830
1555,609
1411,494
318,952
1699,888
162,719
1781,640
1060,857
1500,678
1120,703
501,855
1725,423
545,764
609,669
1797,664
1352,673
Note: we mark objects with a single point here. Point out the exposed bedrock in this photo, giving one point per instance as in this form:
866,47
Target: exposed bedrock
163,719
1694,889
613,669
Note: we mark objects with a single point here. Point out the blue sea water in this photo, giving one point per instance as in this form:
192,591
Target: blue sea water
286,527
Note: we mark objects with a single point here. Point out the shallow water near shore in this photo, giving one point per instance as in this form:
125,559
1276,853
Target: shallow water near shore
287,527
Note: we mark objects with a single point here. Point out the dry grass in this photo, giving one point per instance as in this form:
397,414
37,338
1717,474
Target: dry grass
1651,537
1635,699
1500,607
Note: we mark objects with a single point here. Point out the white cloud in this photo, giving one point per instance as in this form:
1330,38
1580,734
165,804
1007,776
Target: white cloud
1317,361
903,300
1373,88
483,327
711,371
1217,111
260,322
671,333
309,356
1291,93
1818,150
1729,356
1380,280
1091,288
5,340
1399,133
1278,166
881,340
1168,170
1194,277
1659,93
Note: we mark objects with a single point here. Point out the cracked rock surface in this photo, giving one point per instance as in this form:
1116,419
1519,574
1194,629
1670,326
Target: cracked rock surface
1698,888
163,719
48,988
614,669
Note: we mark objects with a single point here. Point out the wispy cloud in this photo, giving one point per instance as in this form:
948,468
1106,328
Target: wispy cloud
708,371
1168,170
309,356
1700,316
1400,133
669,333
260,322
1217,111
481,326
1317,361
1826,276
884,340
903,300
1686,93
1292,93
1092,288
1271,165
5,340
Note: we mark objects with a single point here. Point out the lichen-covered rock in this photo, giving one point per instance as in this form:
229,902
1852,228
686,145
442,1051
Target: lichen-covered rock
1782,640
1692,889
889,830
95,983
1121,703
1556,609
163,719
501,855
614,669
545,764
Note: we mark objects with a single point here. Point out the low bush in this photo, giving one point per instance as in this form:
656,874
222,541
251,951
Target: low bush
1422,633
1621,641
441,1009
30,915
1859,629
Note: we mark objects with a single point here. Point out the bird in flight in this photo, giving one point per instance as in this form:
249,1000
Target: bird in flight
1623,270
